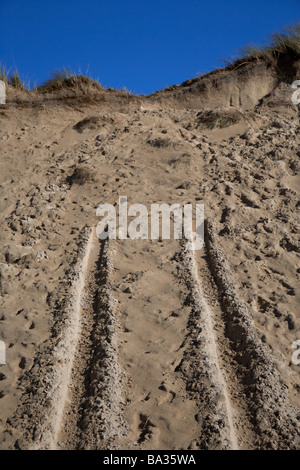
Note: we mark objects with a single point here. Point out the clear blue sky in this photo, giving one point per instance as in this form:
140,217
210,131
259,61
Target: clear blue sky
144,45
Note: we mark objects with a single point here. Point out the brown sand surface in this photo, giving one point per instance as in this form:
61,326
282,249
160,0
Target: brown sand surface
143,344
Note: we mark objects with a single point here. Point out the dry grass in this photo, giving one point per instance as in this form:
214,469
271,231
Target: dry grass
287,43
91,122
159,142
3,73
66,79
183,159
80,176
222,121
280,45
65,86
212,120
15,81
11,78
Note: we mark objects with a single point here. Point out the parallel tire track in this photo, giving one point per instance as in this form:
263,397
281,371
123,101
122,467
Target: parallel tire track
57,377
216,409
94,415
76,400
227,371
275,421
63,355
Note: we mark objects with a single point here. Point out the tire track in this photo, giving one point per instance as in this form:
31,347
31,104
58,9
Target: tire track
274,421
77,402
237,400
196,363
218,427
94,411
64,355
181,344
94,408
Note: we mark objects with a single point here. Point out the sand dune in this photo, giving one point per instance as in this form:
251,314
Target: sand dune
142,344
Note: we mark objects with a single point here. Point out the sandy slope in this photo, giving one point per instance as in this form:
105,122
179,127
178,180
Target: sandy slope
139,344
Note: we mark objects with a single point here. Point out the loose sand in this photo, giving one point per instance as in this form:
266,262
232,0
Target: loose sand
143,344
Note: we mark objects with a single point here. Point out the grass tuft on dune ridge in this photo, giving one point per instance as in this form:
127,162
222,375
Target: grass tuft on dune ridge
67,78
284,44
11,78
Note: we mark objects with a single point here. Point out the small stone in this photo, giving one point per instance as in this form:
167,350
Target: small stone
127,290
185,185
